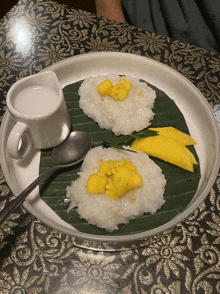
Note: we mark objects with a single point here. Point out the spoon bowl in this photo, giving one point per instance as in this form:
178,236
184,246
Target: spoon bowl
68,153
72,150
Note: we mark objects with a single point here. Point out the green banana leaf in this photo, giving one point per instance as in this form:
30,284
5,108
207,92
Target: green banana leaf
181,185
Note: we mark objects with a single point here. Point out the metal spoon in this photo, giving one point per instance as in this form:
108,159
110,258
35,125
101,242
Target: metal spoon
68,153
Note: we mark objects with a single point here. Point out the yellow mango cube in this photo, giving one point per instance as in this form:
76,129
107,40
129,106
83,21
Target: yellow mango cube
128,164
96,184
124,180
105,87
115,179
119,91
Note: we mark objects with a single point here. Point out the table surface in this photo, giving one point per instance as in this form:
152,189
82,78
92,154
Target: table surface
37,259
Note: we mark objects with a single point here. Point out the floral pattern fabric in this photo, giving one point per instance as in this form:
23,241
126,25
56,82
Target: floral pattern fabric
37,259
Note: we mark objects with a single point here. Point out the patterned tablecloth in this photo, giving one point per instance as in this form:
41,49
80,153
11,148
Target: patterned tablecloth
38,259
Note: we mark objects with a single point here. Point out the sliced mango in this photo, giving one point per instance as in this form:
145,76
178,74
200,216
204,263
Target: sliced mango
174,134
166,149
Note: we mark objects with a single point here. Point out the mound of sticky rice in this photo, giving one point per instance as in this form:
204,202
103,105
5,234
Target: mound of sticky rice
122,117
105,212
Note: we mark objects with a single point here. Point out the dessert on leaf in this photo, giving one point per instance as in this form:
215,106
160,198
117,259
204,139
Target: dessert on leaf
121,104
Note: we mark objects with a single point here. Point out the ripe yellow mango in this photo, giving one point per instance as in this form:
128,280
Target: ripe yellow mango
119,91
105,87
124,180
166,149
174,134
115,179
96,183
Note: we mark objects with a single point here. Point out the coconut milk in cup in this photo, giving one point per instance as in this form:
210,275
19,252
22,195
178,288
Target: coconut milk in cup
38,109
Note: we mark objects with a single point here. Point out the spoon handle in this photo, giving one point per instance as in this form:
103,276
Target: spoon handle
21,197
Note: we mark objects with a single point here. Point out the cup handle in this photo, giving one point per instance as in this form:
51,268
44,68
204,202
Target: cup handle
19,141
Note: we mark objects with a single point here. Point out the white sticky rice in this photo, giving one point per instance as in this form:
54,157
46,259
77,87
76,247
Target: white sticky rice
100,209
122,117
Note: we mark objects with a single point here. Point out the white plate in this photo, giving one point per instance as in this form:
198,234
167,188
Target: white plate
198,115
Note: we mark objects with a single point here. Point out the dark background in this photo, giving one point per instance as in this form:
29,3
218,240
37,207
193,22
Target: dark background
87,5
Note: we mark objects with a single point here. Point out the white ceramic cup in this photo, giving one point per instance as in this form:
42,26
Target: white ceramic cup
37,106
